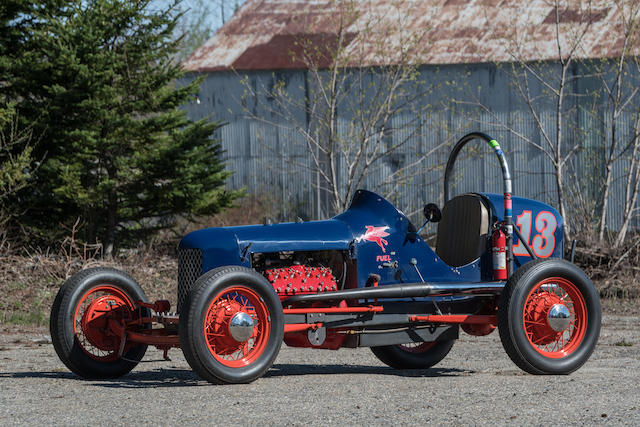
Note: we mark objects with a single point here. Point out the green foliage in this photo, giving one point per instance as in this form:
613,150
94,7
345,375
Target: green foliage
97,81
15,140
15,160
193,27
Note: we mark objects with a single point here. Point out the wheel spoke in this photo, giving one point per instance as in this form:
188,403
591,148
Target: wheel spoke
90,321
539,301
221,311
540,340
532,322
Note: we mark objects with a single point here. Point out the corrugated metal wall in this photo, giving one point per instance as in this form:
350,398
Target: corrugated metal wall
269,156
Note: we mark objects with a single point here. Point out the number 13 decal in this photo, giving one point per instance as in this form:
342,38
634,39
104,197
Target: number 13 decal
544,242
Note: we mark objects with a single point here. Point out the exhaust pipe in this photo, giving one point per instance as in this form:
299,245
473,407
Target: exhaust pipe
403,290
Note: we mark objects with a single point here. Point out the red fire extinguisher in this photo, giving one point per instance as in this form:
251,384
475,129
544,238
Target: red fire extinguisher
499,250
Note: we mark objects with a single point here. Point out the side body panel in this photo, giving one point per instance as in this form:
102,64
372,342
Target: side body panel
383,235
537,221
234,245
378,236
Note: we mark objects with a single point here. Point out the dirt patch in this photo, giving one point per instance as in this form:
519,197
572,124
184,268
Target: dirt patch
615,272
621,306
28,285
476,384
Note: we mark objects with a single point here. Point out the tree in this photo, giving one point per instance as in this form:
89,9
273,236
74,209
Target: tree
632,179
548,86
619,98
16,139
16,162
364,98
198,21
118,152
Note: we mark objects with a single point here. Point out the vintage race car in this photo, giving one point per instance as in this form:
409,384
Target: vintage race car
364,278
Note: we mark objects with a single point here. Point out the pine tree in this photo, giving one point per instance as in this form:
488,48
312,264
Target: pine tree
100,83
16,139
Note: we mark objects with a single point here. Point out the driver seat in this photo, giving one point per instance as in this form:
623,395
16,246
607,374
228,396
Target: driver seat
463,230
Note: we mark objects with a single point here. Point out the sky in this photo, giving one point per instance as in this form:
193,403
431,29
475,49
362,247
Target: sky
211,12
200,21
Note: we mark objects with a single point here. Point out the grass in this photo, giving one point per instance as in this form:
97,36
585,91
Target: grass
17,285
623,343
35,317
28,285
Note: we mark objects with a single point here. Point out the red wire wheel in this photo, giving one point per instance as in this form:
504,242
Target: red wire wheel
419,355
550,293
417,348
549,317
231,304
91,321
81,315
231,325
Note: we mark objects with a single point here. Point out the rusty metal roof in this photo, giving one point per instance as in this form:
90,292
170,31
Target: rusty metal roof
269,34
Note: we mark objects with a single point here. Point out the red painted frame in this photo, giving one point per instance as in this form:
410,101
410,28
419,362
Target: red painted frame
164,340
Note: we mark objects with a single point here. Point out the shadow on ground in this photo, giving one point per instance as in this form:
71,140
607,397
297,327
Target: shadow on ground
312,369
172,377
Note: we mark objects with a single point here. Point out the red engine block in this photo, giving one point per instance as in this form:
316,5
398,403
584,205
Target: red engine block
300,279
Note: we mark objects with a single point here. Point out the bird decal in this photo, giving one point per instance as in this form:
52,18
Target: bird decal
376,234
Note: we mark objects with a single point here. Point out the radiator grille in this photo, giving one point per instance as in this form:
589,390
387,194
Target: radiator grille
189,269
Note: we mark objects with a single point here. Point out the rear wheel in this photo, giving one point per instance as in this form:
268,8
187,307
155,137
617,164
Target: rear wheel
231,326
413,356
549,317
80,323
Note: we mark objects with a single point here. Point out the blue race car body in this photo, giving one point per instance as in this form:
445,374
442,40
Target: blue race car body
364,278
373,232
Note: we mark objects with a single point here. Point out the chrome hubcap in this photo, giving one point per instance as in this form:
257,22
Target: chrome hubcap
241,326
559,317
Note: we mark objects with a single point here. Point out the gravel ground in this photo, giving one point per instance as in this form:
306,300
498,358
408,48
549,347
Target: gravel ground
476,384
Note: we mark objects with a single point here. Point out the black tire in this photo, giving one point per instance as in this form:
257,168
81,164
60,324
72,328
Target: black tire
211,357
525,331
62,324
406,357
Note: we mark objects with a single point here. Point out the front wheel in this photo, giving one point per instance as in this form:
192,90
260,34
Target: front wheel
549,317
413,356
80,321
231,325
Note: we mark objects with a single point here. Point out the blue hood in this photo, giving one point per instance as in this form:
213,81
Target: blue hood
290,236
233,245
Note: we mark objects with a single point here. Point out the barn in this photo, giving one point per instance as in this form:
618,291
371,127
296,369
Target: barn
536,75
